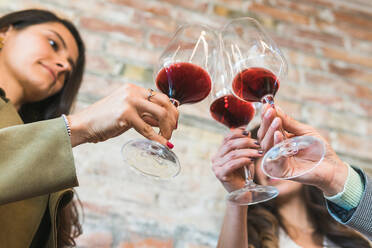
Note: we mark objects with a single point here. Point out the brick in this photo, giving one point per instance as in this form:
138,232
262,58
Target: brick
345,30
304,60
93,41
94,24
92,207
101,65
353,145
362,47
97,86
283,15
352,58
355,20
149,20
147,243
291,108
301,8
147,6
138,73
227,12
95,240
350,72
158,41
319,116
190,4
327,38
132,52
290,43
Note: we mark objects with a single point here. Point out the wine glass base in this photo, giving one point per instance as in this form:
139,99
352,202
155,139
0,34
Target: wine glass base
249,195
151,159
293,157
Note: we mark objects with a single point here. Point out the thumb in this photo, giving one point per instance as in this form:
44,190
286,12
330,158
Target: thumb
291,125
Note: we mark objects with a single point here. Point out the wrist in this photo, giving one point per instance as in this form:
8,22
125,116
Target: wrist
78,131
337,180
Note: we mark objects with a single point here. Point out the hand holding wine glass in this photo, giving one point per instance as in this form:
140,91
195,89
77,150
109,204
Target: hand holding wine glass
127,107
256,65
330,176
184,73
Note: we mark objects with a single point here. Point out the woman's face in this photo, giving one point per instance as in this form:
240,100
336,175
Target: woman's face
38,58
285,187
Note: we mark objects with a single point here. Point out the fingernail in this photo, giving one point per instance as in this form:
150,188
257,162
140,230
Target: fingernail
245,133
260,152
257,143
275,123
170,145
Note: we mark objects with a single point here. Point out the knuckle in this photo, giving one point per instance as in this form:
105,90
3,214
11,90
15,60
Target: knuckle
147,130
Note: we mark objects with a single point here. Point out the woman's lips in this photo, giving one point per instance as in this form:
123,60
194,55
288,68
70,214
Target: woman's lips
51,72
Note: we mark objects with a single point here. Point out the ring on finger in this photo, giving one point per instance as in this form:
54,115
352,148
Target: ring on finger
151,94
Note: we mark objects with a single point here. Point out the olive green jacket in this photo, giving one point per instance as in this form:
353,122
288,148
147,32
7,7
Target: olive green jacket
36,173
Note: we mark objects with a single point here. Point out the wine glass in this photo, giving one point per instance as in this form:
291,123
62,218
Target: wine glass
184,72
255,66
233,113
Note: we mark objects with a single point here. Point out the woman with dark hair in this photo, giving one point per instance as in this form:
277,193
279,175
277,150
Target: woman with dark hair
299,216
42,61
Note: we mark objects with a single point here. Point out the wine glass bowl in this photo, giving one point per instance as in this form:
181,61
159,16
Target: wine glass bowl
250,55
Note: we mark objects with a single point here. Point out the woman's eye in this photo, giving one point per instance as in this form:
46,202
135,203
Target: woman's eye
53,44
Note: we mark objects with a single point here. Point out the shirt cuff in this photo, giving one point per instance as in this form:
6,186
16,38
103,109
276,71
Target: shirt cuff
352,192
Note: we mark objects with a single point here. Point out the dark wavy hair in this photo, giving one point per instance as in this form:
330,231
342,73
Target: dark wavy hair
53,106
264,221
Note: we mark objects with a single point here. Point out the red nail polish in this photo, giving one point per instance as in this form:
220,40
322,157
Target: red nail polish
170,145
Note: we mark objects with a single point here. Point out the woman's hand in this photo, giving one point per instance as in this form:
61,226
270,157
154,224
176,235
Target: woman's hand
129,106
236,151
329,176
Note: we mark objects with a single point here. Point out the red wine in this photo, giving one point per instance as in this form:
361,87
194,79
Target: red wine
254,83
185,82
231,111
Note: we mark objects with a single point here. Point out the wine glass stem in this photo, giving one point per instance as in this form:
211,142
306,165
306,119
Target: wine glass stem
270,100
248,176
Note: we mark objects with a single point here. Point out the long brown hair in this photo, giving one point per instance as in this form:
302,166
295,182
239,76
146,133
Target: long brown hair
264,221
52,107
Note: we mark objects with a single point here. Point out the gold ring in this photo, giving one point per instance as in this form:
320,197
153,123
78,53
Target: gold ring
151,94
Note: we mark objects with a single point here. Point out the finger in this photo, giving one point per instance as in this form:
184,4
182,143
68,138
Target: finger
235,134
239,143
149,119
268,117
146,130
278,137
233,166
264,108
291,125
165,122
268,140
252,154
164,101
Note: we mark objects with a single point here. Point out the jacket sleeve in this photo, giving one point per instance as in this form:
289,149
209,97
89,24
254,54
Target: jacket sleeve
35,159
359,218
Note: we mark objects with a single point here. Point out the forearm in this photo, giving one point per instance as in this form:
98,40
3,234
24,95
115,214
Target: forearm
35,159
234,228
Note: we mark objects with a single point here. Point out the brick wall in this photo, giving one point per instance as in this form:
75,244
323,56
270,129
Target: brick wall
328,45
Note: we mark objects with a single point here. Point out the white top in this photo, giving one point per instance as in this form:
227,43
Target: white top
286,242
